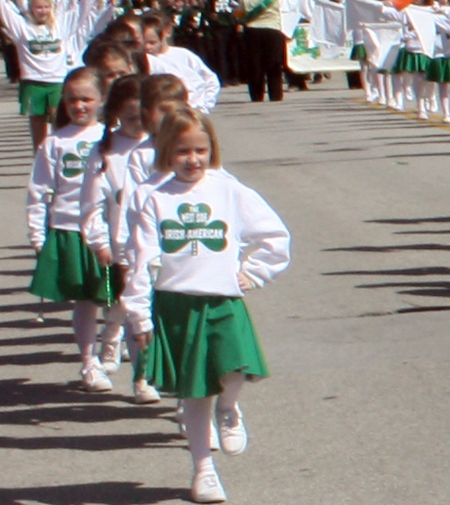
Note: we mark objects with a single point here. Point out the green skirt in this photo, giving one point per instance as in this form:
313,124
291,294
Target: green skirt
439,70
358,53
67,269
410,62
197,340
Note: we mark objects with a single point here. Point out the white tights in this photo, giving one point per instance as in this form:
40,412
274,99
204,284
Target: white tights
197,416
85,328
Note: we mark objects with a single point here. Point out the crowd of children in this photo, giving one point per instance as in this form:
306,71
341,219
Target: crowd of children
412,69
130,211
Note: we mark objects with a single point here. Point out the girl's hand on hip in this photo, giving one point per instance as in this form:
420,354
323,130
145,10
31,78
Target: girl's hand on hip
245,284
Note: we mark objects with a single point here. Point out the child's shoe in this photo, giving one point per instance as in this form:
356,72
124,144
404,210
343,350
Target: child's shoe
94,379
232,433
110,356
144,393
207,488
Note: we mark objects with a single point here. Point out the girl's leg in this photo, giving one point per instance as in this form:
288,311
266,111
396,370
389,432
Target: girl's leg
112,335
419,90
430,91
230,425
407,86
389,90
444,92
85,329
381,88
206,486
38,129
143,391
397,83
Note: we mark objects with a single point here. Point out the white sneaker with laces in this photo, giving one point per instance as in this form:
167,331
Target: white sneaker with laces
232,433
207,488
94,379
144,393
110,356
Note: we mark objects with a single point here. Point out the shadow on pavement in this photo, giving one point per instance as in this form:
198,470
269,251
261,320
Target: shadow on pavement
111,493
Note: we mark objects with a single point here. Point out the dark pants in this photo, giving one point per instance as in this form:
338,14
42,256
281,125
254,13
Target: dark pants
226,56
266,54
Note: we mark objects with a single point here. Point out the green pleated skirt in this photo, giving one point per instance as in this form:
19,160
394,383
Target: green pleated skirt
197,340
358,53
67,269
410,62
439,70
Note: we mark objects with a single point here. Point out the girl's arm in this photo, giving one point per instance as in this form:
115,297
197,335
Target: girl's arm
134,175
145,248
266,237
94,209
210,78
13,21
41,189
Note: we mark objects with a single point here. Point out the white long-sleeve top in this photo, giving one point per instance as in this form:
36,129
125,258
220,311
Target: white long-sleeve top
42,52
101,194
202,83
140,167
57,175
197,231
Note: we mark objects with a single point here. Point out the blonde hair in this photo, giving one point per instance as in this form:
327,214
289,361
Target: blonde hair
176,123
51,21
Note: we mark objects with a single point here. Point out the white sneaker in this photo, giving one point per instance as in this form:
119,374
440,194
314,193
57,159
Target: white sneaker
207,488
110,356
422,114
232,433
144,393
446,119
382,101
94,379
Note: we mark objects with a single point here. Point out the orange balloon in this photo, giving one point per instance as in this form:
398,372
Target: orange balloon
402,4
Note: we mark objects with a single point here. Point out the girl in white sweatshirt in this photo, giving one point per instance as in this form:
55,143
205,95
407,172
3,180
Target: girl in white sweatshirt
200,338
66,269
201,82
100,205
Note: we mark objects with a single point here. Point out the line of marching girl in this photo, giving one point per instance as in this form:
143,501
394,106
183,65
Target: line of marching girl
213,239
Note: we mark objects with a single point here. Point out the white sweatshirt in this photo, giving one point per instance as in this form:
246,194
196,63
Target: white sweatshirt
57,175
101,194
197,231
201,82
140,166
42,52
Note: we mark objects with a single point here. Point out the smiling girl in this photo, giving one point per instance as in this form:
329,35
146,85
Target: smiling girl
66,269
200,338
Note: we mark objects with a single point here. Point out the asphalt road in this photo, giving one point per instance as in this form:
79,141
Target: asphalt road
357,411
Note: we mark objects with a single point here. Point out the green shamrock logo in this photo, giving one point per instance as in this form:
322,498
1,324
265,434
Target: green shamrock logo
74,164
193,228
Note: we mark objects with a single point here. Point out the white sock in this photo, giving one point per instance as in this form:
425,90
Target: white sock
197,417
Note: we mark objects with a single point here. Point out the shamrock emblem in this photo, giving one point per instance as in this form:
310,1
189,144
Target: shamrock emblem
193,228
74,164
